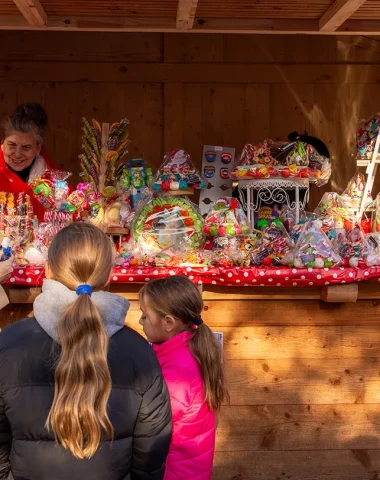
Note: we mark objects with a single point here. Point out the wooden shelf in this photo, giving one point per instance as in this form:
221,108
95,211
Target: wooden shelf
180,192
117,231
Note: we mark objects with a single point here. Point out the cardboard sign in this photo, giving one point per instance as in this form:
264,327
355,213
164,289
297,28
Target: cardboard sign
219,337
217,163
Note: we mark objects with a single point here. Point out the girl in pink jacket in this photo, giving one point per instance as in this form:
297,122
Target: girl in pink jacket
192,365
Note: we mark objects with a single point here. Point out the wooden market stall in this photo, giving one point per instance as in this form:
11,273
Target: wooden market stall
303,362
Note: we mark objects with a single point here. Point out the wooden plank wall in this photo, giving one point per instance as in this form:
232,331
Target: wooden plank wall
304,384
190,90
304,375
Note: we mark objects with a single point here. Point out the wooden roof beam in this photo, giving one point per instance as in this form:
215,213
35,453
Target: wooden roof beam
209,25
33,12
186,14
338,13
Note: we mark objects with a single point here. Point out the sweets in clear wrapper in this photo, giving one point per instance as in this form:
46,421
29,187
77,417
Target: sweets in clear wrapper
167,221
16,222
366,137
350,243
275,246
178,173
134,177
235,250
372,241
354,192
375,217
226,217
282,160
36,253
314,249
52,189
118,213
331,204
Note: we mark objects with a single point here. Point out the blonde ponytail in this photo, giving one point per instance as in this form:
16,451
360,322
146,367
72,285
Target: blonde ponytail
78,416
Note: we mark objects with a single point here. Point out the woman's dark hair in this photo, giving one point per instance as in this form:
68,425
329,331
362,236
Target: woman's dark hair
29,117
313,141
178,297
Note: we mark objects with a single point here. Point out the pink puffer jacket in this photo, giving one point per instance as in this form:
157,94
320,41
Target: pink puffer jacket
191,452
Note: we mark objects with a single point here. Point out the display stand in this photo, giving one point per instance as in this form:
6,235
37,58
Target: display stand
371,174
273,190
117,231
179,193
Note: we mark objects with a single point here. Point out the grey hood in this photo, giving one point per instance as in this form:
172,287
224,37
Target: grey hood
55,298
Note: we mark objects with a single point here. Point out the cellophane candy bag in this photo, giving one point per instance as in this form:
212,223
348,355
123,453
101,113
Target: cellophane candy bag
226,217
163,222
178,173
314,249
51,189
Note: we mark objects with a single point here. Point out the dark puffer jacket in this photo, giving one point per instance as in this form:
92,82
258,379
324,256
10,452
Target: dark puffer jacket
139,410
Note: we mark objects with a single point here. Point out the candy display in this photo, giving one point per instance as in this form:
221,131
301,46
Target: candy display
36,253
52,189
154,226
178,173
98,160
226,217
366,137
282,160
235,250
353,194
314,249
331,204
134,177
101,199
167,221
118,214
375,215
16,224
350,242
276,245
372,242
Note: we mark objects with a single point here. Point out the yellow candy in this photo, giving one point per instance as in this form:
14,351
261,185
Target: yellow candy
109,191
242,173
293,168
112,156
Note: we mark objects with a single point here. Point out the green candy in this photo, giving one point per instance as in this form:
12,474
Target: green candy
42,189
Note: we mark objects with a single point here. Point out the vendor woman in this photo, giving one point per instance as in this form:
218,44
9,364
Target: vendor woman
22,158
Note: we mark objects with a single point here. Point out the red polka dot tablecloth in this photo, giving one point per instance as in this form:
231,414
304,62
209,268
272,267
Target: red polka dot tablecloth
239,276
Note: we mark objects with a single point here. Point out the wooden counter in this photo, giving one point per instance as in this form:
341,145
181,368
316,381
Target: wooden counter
304,379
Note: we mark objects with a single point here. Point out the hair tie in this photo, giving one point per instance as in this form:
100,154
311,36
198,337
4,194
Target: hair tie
198,321
84,289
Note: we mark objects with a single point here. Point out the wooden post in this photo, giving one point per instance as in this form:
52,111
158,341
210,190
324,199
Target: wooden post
371,173
22,294
103,153
340,293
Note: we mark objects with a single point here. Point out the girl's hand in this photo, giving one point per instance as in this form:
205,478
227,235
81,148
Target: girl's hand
6,269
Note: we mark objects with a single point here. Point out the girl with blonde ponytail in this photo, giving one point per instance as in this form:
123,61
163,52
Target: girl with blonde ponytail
81,395
192,363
